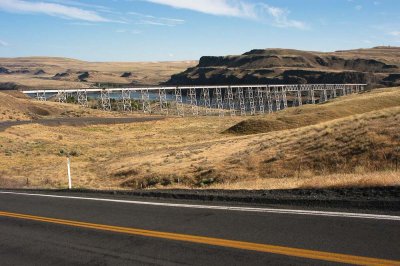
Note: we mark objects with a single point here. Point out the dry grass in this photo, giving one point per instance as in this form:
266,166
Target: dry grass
309,114
105,72
15,106
192,152
383,178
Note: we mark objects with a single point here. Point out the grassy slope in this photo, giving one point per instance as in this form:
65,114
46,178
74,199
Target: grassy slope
16,106
184,152
310,115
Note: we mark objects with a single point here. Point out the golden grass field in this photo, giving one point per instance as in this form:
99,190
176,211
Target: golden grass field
350,141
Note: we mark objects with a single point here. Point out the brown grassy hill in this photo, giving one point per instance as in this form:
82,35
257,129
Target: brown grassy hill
356,142
314,114
15,105
55,72
379,65
361,142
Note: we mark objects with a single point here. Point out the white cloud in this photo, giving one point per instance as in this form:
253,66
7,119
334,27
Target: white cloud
214,7
3,43
237,8
157,21
280,18
395,33
51,9
358,7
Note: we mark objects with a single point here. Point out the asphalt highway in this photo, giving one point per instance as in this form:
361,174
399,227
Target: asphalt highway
73,229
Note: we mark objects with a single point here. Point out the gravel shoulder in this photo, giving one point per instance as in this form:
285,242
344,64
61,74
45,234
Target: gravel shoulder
375,199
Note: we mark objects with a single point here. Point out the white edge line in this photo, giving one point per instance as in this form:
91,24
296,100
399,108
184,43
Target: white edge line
228,208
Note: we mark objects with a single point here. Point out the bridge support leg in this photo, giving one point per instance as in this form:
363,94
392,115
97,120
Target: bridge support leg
220,104
179,105
192,100
242,104
312,94
105,100
269,99
205,99
41,96
145,98
260,98
285,105
250,99
82,98
299,99
230,101
162,97
126,101
277,99
61,96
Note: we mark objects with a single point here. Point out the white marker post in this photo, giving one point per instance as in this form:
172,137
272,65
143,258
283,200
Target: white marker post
69,173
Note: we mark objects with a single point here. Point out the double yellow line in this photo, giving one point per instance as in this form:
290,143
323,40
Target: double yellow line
296,252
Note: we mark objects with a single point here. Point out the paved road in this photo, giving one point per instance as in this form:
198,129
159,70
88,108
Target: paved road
115,230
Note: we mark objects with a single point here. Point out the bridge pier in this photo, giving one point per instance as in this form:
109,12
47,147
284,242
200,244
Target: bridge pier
81,96
61,96
125,103
41,96
178,101
261,100
145,98
242,103
105,100
230,101
250,100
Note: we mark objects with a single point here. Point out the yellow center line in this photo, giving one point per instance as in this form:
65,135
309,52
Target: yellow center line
295,252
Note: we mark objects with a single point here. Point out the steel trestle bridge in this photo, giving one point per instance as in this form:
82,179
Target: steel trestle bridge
203,100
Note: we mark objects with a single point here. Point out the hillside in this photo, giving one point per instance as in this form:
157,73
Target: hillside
54,72
353,140
15,105
313,114
377,66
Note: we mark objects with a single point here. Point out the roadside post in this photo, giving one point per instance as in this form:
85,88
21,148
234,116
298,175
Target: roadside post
69,173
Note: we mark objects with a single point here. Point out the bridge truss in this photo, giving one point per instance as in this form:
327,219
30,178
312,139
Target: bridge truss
203,100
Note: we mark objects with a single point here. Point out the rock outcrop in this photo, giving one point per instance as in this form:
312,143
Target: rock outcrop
379,66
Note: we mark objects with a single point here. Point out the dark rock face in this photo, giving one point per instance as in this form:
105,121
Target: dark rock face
376,66
39,72
20,71
61,75
126,75
8,86
4,70
83,76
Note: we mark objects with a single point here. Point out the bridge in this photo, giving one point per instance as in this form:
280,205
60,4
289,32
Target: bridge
201,100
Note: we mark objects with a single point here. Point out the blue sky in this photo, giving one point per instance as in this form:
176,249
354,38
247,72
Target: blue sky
163,30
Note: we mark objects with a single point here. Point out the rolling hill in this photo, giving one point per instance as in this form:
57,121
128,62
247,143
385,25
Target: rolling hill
57,72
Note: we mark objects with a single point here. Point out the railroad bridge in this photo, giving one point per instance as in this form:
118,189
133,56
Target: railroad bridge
202,100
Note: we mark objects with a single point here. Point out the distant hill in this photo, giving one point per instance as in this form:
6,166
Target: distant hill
58,72
379,66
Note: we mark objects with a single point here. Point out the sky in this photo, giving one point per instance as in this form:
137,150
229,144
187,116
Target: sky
169,30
